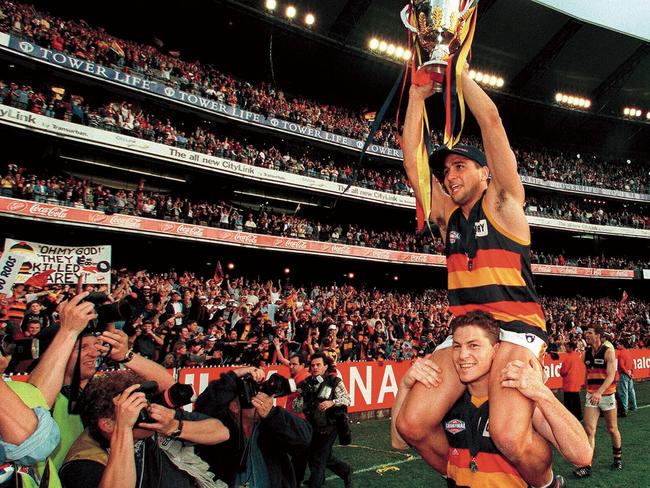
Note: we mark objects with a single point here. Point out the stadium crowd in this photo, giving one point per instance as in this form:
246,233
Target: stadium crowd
68,190
186,320
95,44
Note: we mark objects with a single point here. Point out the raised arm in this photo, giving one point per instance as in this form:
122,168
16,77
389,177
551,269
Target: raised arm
49,374
146,368
501,160
412,136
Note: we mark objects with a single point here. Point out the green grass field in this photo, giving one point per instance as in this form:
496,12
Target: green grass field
376,464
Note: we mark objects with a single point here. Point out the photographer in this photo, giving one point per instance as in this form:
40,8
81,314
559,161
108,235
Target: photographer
324,400
129,442
262,437
71,359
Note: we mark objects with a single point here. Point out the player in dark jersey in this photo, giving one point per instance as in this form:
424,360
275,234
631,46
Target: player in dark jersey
600,362
487,240
472,459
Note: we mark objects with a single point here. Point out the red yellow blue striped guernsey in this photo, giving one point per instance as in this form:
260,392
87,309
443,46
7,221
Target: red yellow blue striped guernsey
597,369
489,269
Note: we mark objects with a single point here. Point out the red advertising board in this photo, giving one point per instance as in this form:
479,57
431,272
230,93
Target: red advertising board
373,384
142,225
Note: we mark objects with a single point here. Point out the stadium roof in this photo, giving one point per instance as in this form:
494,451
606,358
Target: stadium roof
537,50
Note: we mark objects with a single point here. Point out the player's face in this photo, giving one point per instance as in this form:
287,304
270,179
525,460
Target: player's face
472,353
463,178
590,337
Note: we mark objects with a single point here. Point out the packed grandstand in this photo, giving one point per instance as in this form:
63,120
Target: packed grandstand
231,198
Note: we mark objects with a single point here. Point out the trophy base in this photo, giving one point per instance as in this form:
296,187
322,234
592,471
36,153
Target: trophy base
436,71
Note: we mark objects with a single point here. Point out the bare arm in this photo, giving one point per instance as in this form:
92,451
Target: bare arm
610,358
205,432
146,368
560,427
49,375
426,372
550,419
17,420
501,160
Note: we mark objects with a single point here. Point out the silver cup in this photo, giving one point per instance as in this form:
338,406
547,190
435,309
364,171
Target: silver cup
437,24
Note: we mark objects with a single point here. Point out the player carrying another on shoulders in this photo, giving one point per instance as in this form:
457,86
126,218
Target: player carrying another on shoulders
487,243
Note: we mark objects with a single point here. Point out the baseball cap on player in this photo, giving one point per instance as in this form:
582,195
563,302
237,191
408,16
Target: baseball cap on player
437,157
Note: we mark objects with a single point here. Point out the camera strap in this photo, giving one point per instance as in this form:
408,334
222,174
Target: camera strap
73,401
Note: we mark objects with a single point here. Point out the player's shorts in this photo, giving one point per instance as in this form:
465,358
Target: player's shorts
533,343
607,402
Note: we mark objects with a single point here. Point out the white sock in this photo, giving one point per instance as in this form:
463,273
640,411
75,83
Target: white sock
548,483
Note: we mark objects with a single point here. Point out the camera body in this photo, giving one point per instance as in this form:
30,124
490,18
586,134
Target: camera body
126,309
276,386
173,397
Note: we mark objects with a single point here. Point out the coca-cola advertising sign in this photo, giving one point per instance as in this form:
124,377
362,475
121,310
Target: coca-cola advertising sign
49,211
190,230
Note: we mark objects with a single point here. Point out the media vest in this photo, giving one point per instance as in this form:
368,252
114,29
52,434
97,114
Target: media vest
597,369
489,269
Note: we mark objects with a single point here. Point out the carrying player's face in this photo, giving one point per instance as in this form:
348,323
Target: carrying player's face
472,353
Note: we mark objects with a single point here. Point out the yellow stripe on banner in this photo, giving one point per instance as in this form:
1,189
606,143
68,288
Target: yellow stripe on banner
422,161
485,277
466,37
465,477
532,319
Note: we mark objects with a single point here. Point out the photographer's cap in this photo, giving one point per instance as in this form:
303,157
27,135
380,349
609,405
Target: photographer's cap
437,156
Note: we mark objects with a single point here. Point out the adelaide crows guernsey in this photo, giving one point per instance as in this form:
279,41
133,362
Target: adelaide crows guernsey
489,269
597,369
473,459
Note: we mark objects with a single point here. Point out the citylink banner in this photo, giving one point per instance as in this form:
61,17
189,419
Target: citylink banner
28,48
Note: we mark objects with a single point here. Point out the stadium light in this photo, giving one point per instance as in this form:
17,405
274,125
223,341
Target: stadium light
572,101
231,266
310,19
270,4
632,112
291,11
487,79
389,49
647,116
351,275
287,271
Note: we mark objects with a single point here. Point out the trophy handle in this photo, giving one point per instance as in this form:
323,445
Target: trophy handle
405,18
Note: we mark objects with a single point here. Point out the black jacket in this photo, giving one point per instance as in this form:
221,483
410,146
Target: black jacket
281,434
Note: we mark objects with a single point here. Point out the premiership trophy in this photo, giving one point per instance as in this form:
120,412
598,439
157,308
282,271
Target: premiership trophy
440,28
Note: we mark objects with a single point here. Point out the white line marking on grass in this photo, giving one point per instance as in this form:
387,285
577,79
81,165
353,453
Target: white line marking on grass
378,466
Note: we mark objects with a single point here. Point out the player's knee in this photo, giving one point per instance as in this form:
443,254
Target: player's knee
613,430
591,431
409,428
513,445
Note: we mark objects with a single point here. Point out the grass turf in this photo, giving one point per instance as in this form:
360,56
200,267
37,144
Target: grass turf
376,464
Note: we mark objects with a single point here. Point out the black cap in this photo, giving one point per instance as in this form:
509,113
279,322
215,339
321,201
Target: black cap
437,157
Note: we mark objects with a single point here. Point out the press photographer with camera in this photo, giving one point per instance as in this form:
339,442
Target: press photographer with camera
70,362
262,436
324,401
131,441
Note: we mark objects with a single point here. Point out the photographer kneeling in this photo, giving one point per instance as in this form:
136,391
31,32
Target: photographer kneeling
129,442
262,436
